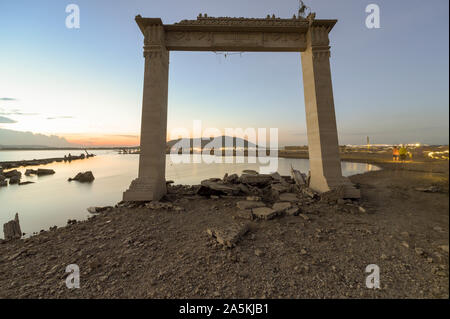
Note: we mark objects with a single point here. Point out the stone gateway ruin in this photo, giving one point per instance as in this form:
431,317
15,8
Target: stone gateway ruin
309,36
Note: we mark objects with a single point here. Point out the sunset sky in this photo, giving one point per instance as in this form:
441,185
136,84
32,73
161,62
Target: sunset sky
86,84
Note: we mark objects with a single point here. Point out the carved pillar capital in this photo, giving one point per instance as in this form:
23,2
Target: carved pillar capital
154,43
318,41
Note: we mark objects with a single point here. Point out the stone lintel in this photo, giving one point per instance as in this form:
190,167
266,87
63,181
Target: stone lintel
237,34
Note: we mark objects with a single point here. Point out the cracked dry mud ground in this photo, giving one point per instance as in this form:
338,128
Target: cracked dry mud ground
143,253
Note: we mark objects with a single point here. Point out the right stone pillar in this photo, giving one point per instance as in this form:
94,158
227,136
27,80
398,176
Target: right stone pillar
323,145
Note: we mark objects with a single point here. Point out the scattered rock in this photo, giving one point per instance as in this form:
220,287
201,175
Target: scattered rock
159,205
26,183
71,221
305,217
431,189
97,210
293,211
309,192
259,252
444,248
419,251
14,179
12,173
86,177
332,196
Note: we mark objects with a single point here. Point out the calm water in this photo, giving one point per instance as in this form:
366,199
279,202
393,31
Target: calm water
52,200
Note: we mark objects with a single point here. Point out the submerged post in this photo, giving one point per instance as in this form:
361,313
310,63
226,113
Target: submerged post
151,183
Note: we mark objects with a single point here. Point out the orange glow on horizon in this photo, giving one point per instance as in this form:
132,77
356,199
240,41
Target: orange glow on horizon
103,140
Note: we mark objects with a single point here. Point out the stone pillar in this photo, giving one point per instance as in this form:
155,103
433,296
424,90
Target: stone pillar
151,182
323,145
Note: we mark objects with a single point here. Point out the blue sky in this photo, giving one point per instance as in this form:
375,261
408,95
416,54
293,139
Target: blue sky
86,84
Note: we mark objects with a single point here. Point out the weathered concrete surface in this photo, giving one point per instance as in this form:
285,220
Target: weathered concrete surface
151,183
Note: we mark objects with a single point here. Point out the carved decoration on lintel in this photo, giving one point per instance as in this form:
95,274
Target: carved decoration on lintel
241,21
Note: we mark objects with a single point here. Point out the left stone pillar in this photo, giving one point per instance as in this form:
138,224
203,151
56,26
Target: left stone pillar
151,182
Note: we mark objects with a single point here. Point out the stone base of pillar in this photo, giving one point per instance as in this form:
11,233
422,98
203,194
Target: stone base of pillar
322,184
145,190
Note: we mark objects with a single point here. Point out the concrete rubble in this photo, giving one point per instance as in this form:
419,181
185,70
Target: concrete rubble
228,236
11,229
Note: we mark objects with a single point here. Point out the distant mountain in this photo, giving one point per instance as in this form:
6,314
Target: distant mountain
16,139
226,140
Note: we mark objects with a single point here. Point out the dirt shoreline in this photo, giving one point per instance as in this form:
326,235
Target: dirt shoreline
167,253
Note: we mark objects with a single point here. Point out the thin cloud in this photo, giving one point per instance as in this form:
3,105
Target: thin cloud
15,112
60,117
7,99
6,120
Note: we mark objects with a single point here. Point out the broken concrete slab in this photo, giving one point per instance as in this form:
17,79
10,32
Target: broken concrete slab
243,214
248,204
281,188
298,177
264,213
276,177
309,192
293,211
212,187
289,197
256,180
281,207
229,235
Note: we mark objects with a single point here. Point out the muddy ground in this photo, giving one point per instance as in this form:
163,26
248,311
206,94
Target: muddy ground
322,253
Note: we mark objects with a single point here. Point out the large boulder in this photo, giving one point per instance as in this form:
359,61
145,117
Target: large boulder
30,172
86,177
12,173
14,179
2,178
3,183
42,171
